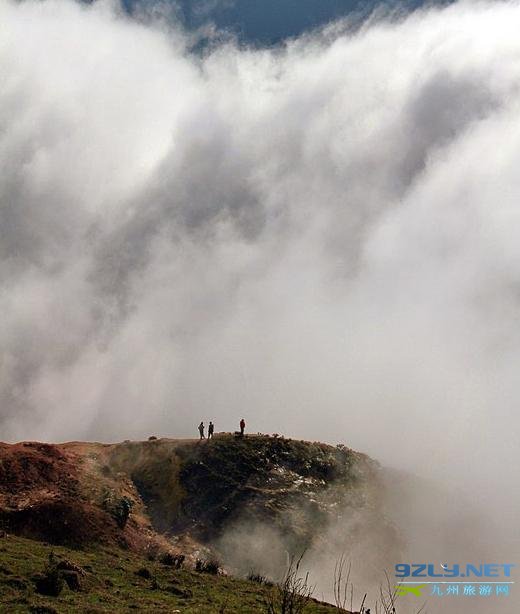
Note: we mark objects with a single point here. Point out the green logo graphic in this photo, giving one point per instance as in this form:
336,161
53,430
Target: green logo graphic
407,590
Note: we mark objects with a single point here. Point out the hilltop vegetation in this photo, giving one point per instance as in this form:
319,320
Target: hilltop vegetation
176,488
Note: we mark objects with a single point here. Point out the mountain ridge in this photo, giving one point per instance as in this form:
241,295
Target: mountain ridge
251,503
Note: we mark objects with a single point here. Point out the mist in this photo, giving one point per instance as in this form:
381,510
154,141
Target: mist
320,237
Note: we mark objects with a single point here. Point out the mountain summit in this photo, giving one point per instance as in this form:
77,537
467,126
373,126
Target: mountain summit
251,503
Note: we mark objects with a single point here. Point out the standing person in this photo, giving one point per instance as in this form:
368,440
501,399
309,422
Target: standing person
201,430
242,426
211,428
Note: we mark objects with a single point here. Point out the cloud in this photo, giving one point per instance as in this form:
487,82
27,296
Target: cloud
321,237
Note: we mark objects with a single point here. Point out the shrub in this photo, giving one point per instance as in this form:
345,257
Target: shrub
253,576
58,572
50,583
72,579
172,560
211,566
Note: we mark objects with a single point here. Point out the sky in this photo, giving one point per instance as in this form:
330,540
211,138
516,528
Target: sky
270,21
320,237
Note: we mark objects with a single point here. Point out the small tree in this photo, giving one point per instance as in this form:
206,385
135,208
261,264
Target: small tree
344,589
341,584
292,594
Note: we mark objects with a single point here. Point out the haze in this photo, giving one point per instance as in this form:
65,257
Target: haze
321,237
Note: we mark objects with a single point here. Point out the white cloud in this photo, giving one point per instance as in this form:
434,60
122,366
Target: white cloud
321,237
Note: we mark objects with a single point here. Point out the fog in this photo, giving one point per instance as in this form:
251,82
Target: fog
321,237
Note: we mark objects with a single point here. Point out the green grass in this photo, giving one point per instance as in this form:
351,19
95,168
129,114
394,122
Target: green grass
111,584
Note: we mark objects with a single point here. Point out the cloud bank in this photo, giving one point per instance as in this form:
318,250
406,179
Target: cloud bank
321,237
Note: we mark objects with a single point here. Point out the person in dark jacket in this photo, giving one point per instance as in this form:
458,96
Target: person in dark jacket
211,428
242,426
201,430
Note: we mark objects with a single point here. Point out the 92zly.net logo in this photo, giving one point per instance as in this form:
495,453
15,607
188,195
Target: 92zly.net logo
454,580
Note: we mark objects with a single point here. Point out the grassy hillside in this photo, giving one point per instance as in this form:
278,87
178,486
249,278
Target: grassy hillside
113,582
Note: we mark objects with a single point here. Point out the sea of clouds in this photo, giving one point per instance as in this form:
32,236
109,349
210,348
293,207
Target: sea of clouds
321,237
